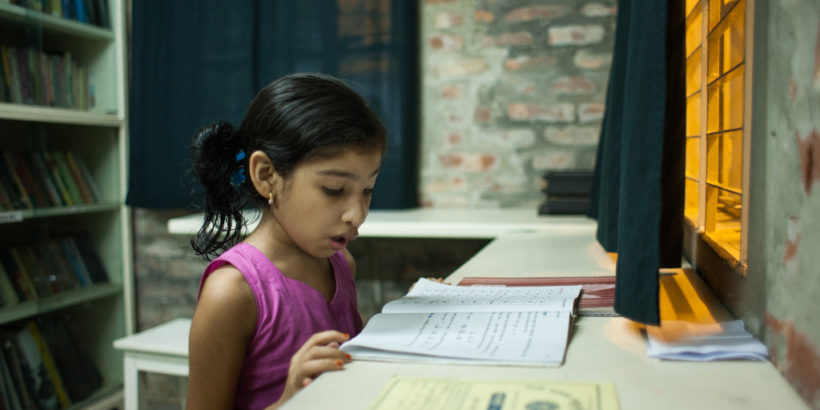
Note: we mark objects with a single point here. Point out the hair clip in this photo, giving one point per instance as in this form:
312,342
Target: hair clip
238,176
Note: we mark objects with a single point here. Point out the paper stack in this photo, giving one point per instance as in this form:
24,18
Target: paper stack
678,340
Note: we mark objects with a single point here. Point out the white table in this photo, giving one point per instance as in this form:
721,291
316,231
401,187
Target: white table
162,349
434,223
600,348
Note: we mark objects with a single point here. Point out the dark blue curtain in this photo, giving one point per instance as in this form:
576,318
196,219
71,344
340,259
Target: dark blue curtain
196,62
637,194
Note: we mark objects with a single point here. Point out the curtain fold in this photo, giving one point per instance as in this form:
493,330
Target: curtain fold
637,194
196,62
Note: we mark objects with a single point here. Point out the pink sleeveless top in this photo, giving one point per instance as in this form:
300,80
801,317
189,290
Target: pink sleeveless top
288,313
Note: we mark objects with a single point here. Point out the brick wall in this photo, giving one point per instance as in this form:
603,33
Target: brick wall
510,89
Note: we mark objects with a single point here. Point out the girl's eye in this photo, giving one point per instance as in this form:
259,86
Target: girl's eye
368,191
332,191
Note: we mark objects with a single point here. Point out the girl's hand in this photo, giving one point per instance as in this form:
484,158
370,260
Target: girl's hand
318,355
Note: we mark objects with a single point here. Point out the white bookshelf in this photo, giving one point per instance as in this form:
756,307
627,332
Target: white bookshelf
100,313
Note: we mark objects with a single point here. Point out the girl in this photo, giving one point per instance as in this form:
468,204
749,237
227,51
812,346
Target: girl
273,309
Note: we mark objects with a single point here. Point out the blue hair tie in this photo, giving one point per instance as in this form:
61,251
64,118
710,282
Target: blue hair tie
238,176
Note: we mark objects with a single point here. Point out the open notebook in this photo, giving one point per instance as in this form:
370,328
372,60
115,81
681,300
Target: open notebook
434,322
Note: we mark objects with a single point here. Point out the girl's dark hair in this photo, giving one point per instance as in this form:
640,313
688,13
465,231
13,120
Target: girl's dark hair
296,118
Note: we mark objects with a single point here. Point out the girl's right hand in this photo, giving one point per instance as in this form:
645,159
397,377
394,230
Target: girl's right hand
319,354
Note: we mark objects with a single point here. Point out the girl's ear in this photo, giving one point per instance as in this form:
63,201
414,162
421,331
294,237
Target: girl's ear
263,175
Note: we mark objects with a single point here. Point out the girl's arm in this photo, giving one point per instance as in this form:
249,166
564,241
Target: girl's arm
221,327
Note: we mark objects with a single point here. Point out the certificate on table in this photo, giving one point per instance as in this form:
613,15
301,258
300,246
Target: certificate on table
408,393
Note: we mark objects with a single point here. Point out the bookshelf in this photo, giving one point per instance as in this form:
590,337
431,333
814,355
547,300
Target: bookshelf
71,103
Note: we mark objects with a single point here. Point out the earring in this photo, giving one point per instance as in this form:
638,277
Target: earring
270,198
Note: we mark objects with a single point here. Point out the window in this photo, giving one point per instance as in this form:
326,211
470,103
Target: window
717,123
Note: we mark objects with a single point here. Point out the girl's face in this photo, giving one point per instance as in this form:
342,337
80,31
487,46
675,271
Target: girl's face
324,201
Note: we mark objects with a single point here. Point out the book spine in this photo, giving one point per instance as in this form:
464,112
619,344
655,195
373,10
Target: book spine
10,398
7,289
62,264
58,180
76,261
14,362
41,174
48,363
24,198
68,179
33,185
22,276
82,186
88,178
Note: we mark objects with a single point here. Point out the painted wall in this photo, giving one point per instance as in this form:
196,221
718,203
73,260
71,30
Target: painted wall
786,187
510,89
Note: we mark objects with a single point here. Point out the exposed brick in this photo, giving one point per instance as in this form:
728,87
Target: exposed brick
575,84
451,92
575,35
573,135
591,112
483,115
450,160
553,160
535,13
520,38
563,112
447,20
525,63
454,138
463,66
471,162
518,137
592,61
483,16
598,10
446,42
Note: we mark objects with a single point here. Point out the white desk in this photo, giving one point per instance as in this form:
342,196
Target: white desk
162,349
600,348
434,223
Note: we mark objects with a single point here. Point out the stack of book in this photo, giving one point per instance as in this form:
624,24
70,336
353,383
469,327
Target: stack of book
567,192
43,366
41,179
33,271
94,12
55,79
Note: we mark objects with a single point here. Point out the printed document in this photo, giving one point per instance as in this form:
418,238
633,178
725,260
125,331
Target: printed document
434,322
406,393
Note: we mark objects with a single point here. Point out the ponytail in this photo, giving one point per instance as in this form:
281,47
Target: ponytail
219,161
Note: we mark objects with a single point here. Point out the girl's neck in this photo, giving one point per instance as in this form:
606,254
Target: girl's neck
292,261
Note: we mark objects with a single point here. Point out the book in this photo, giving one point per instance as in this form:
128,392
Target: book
86,175
40,387
79,178
48,363
22,189
7,289
15,367
10,398
65,174
91,259
80,374
75,259
497,394
57,179
41,173
435,322
597,292
17,269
